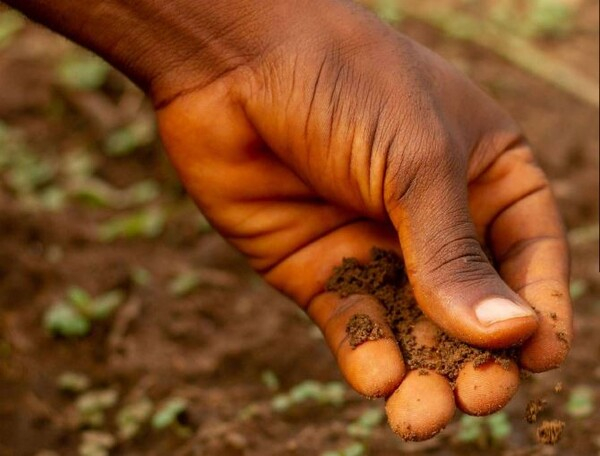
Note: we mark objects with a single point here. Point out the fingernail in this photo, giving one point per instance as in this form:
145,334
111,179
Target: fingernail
494,310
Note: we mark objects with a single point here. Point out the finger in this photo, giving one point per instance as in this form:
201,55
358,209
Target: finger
421,406
485,389
516,208
479,390
453,282
373,368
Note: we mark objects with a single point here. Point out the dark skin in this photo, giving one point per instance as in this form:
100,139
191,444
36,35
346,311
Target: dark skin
309,131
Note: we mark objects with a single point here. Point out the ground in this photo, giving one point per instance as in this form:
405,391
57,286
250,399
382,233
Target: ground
231,366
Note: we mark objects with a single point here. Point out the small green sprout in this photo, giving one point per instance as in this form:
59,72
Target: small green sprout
132,418
92,405
578,288
362,428
96,443
332,393
147,223
354,449
73,382
82,70
167,415
73,316
128,139
185,283
11,22
270,380
484,431
140,276
581,402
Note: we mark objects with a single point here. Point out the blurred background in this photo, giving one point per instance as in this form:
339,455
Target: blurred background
128,327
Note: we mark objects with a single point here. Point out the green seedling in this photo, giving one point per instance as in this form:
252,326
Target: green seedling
188,281
140,276
128,139
354,449
91,406
549,18
73,382
484,431
581,402
146,223
388,11
183,284
97,193
73,316
578,288
82,70
168,414
132,418
96,443
363,427
270,380
332,393
11,23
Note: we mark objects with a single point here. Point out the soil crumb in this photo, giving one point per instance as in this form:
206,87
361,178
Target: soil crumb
534,407
361,329
384,277
550,432
558,387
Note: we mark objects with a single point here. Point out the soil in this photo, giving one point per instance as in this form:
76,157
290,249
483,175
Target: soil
218,345
534,408
550,432
384,278
361,329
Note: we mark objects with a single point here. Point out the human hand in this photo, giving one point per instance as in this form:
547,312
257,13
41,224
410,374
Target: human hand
353,137
307,131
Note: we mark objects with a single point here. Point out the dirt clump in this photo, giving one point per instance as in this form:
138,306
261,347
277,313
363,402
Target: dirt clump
361,329
550,432
533,409
384,278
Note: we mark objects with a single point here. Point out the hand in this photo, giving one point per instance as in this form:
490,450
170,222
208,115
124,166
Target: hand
307,131
326,146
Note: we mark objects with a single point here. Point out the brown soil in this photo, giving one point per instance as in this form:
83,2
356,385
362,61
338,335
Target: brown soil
550,432
361,329
534,407
384,278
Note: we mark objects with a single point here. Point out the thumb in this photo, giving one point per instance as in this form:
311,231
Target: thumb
454,283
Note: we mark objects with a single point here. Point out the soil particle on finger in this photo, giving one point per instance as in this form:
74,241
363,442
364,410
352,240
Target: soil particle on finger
533,409
361,328
384,278
550,432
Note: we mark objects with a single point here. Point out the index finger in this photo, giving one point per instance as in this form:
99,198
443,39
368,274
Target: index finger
514,210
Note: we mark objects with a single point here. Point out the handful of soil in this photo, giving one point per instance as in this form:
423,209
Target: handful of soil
384,278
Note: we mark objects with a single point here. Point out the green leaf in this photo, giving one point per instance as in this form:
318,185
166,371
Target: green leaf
500,427
270,380
11,22
167,415
470,429
73,382
82,71
64,320
79,298
355,449
103,306
281,403
126,140
132,417
148,223
581,402
184,283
